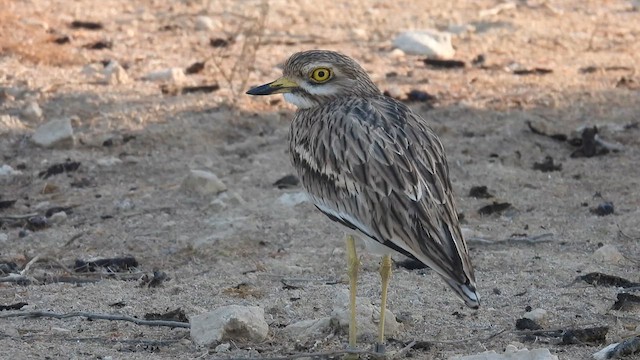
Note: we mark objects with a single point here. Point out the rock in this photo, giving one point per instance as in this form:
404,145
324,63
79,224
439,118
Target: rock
608,254
359,34
367,316
510,354
222,348
537,315
58,218
203,183
6,170
174,75
292,199
4,238
10,124
395,92
32,111
55,133
207,23
232,322
308,328
116,74
397,54
430,43
108,162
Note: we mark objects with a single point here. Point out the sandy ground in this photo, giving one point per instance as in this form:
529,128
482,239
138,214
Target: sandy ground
250,235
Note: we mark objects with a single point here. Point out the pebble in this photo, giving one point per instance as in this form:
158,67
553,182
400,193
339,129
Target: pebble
4,237
608,254
203,183
359,34
55,133
430,43
6,170
292,199
116,74
108,162
207,23
174,75
511,354
537,315
232,322
222,348
397,54
308,328
58,218
367,315
32,111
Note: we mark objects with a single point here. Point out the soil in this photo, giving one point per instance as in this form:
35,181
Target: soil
136,144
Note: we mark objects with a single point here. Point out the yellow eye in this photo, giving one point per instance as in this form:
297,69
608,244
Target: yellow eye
321,75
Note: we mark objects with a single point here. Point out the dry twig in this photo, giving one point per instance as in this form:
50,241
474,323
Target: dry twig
94,316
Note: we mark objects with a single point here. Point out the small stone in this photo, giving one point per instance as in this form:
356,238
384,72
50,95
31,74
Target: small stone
395,92
203,183
174,75
308,328
58,218
524,354
537,315
207,23
116,74
232,322
604,209
222,348
292,199
359,34
6,170
430,43
108,162
32,111
55,133
4,238
397,54
608,254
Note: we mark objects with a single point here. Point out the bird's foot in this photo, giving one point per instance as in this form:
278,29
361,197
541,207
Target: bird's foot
351,356
380,350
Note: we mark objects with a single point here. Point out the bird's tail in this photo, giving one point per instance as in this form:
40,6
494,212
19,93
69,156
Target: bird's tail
467,292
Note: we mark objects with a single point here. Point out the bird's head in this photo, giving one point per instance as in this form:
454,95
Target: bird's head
312,78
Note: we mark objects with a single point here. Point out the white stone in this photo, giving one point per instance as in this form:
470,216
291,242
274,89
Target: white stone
308,328
232,322
397,54
524,354
206,23
58,218
292,199
359,34
108,162
55,133
174,75
6,170
32,111
367,316
608,254
4,237
116,74
222,348
537,315
203,183
430,43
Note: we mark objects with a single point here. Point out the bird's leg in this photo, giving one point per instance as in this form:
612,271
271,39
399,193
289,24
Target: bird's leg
385,274
352,270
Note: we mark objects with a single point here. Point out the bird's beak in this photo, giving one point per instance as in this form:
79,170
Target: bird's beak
282,85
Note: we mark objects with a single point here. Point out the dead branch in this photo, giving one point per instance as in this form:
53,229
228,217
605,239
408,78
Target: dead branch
515,239
94,316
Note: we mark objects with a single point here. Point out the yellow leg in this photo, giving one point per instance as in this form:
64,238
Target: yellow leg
385,274
352,270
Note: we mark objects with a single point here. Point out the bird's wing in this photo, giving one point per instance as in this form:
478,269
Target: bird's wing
377,167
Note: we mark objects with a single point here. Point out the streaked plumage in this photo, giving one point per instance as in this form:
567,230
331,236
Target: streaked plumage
372,164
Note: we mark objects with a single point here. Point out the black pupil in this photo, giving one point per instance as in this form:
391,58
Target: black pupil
320,74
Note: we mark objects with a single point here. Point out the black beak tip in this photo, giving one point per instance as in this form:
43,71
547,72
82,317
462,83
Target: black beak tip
260,90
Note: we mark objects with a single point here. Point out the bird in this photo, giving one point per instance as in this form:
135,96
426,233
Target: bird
371,164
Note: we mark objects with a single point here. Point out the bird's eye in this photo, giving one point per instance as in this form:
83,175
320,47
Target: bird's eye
321,75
